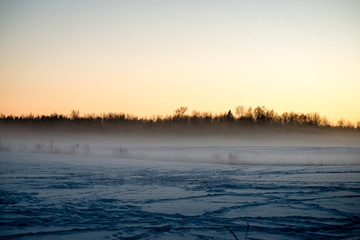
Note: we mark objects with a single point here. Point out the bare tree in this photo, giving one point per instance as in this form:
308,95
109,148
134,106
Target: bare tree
75,114
240,111
180,112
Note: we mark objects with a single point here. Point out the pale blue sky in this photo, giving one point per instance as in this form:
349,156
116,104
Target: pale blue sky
150,57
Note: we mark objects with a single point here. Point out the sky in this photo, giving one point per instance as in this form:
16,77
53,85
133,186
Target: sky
151,57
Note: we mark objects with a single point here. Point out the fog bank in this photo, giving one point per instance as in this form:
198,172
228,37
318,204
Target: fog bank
228,146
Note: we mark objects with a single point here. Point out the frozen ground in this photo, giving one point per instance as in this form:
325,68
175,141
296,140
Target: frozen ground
143,192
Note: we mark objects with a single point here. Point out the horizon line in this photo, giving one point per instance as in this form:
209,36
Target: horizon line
181,111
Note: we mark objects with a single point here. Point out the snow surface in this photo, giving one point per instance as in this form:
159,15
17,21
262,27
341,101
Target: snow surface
180,192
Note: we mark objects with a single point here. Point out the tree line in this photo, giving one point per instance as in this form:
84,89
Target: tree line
242,117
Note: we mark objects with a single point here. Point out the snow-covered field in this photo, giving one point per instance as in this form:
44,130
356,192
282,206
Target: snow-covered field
142,192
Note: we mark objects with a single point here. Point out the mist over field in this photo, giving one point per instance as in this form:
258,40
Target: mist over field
66,182
249,145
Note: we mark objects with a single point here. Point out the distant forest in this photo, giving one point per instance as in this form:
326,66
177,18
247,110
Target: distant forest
241,118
